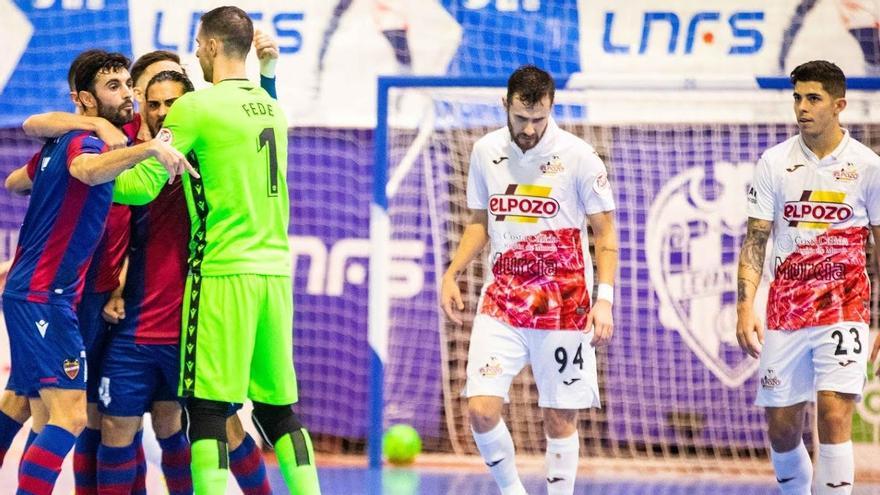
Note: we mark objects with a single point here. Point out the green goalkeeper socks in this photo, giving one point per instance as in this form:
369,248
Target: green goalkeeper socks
296,458
210,465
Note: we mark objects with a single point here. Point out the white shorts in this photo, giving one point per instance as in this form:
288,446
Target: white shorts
563,363
797,364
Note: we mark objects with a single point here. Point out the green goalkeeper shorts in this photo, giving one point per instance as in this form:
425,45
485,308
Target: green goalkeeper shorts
237,339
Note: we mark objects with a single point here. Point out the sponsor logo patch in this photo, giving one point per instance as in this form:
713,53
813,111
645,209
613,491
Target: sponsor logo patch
817,210
601,184
491,369
523,203
770,381
165,135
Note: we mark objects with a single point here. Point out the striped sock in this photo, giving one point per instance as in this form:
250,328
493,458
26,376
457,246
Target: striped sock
176,464
116,469
246,464
8,429
85,467
32,435
140,476
41,463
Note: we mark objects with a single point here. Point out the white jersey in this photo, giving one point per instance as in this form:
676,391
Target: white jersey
537,202
821,210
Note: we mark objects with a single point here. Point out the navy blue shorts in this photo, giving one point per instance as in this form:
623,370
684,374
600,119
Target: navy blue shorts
95,333
45,347
133,376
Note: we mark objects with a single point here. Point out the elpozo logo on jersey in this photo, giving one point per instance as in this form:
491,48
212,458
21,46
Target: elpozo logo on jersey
817,210
523,203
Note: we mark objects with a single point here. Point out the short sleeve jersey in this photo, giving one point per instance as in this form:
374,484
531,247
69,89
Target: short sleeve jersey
157,267
235,135
537,202
821,210
62,226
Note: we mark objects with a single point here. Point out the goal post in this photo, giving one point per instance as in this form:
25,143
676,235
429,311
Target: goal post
680,154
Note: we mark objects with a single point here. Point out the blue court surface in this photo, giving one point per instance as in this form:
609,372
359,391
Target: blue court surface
402,481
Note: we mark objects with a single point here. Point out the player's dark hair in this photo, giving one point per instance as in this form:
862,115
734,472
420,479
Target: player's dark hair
140,65
173,76
93,62
71,73
828,74
232,26
530,84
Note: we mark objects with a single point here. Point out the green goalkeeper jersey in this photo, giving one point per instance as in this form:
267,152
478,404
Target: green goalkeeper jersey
235,135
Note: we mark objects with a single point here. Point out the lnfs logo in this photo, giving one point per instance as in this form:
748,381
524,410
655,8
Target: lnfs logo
686,31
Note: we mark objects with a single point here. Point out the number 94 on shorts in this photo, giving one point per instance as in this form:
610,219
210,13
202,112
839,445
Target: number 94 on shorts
563,363
797,364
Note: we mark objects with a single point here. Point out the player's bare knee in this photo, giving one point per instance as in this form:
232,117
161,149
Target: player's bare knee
93,416
234,431
484,413
273,422
118,431
785,426
15,406
560,423
205,419
166,418
834,416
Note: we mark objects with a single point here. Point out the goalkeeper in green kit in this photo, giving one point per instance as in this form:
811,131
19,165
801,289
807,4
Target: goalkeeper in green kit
237,341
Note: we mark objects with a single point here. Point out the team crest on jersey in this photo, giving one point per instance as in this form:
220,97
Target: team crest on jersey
553,166
523,203
847,173
817,210
71,368
691,244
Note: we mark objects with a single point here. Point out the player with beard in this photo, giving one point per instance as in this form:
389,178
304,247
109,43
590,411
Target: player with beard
238,310
532,190
62,226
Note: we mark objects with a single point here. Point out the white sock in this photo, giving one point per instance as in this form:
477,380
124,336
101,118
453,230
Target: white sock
794,470
562,464
496,447
835,469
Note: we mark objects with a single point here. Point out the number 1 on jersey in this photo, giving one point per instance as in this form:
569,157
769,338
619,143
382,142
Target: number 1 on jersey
267,136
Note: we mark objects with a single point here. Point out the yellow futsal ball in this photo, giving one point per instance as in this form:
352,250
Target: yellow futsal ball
401,444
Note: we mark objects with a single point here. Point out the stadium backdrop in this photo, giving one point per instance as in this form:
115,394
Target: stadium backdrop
332,114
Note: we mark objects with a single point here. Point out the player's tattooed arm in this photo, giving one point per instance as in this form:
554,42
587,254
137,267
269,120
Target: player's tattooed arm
54,124
751,258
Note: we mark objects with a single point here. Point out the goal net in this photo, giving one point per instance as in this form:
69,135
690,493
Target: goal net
680,155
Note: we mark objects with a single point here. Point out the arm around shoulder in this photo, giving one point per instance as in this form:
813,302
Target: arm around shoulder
18,181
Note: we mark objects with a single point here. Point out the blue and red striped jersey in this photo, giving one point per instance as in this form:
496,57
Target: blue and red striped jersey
106,265
62,226
157,267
